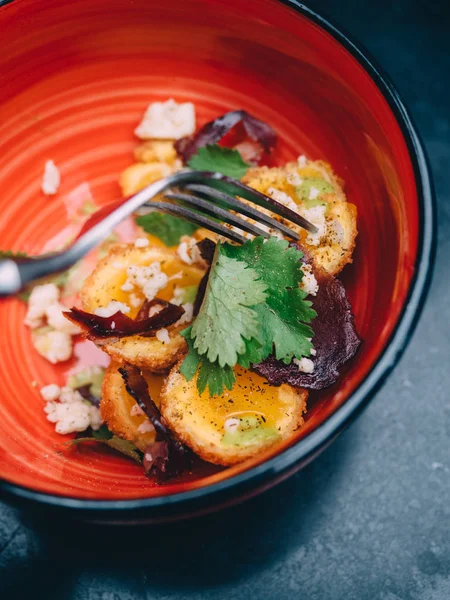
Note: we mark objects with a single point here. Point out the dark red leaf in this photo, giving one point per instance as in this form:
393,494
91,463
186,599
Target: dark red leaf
119,325
335,338
207,248
215,130
170,458
150,308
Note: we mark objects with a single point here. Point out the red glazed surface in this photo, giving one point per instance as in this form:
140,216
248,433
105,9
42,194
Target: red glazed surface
75,78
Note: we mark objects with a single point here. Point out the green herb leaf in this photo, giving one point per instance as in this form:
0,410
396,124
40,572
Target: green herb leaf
104,436
210,374
226,316
253,307
167,228
219,160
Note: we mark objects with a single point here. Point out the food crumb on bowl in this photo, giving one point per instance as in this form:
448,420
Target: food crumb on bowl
51,179
167,120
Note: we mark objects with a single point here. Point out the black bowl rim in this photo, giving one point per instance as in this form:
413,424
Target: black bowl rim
306,448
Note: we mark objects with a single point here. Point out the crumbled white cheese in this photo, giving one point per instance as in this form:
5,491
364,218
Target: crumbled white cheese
135,301
316,216
188,314
167,120
178,295
188,250
50,392
313,352
309,282
283,198
113,324
51,179
231,424
72,412
163,336
58,321
136,410
127,286
149,279
146,427
55,346
110,309
305,365
141,242
294,179
313,193
41,297
301,160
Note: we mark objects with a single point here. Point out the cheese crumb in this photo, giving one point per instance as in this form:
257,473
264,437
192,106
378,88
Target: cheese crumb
188,250
301,160
167,120
51,179
188,314
149,279
231,425
57,320
146,427
50,392
41,297
309,282
313,193
283,198
55,346
316,215
72,413
294,179
135,301
110,309
141,242
305,365
163,335
136,411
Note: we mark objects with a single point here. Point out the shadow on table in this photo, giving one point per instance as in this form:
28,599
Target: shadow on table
229,546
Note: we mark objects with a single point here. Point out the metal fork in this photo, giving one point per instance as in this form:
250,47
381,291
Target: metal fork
209,194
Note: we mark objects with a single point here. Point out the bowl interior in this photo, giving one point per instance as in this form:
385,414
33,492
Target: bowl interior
76,77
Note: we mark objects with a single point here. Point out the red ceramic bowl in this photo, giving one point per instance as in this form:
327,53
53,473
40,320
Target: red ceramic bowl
75,78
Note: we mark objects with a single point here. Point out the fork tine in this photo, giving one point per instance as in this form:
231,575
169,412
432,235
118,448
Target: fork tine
221,197
224,184
196,218
215,211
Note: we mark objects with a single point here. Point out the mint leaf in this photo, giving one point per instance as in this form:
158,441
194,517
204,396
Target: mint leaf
226,316
167,228
219,160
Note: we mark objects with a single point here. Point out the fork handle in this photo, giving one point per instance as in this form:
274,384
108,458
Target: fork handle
16,274
10,278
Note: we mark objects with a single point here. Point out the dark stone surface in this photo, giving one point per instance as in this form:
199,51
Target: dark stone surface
369,519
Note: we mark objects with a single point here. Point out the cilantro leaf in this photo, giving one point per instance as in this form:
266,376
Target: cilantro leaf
210,374
167,228
253,308
219,160
277,264
226,316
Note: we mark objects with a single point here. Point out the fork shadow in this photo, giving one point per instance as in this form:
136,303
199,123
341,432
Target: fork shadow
229,546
